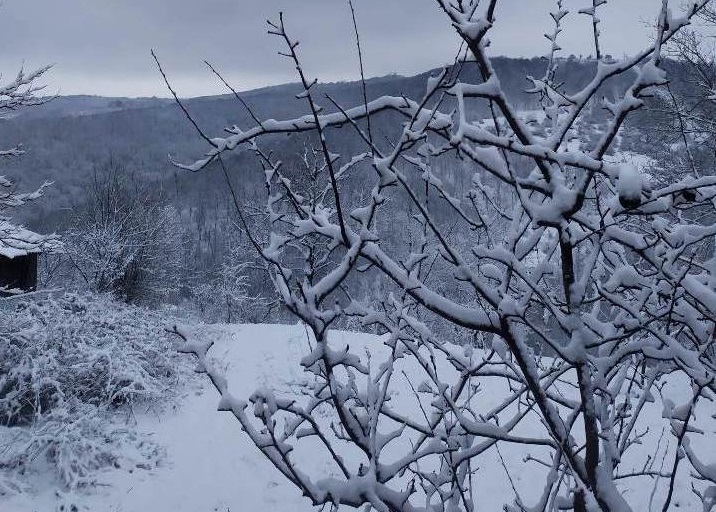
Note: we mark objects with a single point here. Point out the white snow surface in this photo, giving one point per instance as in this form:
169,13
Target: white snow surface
211,466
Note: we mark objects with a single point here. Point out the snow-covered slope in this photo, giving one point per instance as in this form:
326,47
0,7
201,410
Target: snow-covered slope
210,464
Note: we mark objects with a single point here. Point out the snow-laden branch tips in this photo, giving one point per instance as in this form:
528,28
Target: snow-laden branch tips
532,291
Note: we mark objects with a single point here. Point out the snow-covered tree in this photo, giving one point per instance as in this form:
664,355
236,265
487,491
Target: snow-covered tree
592,291
225,294
21,92
125,240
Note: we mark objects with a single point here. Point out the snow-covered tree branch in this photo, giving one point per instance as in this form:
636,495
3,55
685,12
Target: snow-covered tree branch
590,290
19,92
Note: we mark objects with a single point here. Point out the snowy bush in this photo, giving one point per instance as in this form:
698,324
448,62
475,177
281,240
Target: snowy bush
125,240
66,363
227,295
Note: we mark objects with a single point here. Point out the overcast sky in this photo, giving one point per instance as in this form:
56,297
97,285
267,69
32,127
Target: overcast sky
102,46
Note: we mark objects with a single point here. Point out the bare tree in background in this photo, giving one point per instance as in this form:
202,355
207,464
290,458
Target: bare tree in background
688,129
592,291
125,240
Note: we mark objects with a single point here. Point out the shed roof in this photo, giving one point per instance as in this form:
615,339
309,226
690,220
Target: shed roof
17,241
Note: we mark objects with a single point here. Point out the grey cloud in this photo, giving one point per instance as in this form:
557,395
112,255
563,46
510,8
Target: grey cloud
102,46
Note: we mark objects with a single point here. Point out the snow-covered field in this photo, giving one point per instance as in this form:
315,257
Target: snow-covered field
210,465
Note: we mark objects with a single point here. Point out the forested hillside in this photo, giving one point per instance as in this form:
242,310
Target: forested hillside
68,139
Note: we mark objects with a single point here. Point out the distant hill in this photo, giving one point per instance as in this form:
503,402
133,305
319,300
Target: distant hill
83,105
70,137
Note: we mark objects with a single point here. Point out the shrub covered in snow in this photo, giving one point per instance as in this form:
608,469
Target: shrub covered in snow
66,362
231,293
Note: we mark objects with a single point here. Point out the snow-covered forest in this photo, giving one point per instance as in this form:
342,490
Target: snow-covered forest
490,285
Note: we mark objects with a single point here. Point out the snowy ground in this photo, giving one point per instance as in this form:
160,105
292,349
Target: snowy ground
210,464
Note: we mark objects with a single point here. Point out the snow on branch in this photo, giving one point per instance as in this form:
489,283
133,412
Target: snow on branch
529,289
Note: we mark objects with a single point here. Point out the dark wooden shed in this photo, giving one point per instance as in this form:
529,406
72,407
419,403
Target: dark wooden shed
18,274
19,251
